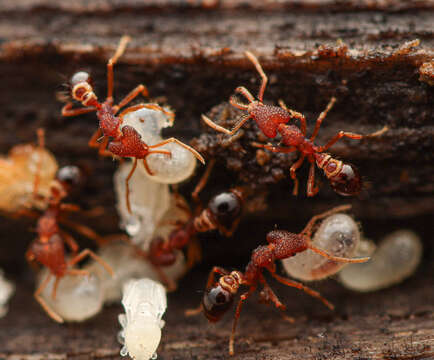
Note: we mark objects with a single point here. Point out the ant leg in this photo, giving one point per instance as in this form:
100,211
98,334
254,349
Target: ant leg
194,254
308,228
127,181
70,242
295,114
258,67
139,89
101,146
292,171
321,117
170,284
145,163
56,284
243,298
267,295
157,107
279,149
219,128
93,142
335,258
311,189
67,110
246,93
118,53
78,272
202,182
84,230
350,135
300,286
176,141
87,252
41,145
42,302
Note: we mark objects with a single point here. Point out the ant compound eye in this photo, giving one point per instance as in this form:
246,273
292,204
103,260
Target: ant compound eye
79,77
348,182
216,302
225,207
71,176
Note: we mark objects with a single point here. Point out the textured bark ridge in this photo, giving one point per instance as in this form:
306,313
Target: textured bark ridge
190,55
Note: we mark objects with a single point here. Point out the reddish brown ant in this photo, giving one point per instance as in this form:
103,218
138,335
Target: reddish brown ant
271,120
222,214
48,248
126,140
282,244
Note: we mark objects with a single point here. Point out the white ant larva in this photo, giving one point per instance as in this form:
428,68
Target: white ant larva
7,289
145,302
396,258
78,298
339,235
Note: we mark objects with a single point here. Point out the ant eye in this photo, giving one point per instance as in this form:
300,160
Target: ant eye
80,77
348,182
216,302
225,207
71,176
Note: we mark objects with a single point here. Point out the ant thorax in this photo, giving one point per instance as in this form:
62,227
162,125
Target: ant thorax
395,259
166,169
338,235
7,289
145,303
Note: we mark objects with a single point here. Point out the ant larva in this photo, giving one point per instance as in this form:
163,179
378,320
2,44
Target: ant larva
344,177
127,142
282,244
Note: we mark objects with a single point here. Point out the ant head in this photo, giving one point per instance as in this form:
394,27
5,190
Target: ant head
347,182
71,177
218,299
82,89
226,208
160,254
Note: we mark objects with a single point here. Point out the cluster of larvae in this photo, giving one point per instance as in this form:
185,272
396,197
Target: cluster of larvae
161,241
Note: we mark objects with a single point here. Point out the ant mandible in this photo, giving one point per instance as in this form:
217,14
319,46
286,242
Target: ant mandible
126,140
344,177
48,248
222,213
282,244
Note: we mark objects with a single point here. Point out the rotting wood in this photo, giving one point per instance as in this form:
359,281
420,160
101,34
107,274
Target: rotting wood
191,52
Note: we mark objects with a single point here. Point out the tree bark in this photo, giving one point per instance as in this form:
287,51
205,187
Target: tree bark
190,53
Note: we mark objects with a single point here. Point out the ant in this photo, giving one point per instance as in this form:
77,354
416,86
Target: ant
48,248
282,244
344,177
222,214
127,141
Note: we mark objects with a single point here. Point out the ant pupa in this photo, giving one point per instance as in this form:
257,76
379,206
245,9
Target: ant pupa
145,303
339,235
126,140
26,176
395,259
219,295
7,289
344,178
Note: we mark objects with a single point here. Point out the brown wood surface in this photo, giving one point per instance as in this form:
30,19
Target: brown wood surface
191,53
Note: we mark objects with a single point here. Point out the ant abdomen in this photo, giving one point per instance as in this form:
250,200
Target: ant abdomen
216,302
348,181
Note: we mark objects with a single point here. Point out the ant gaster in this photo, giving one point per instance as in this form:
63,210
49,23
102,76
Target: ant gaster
271,120
282,244
126,140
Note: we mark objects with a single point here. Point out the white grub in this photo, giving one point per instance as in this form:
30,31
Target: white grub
149,201
7,289
77,298
126,264
148,123
339,235
395,259
17,176
145,302
170,169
